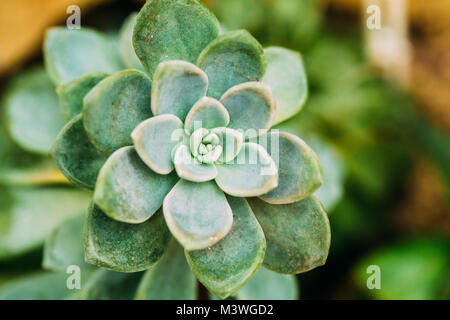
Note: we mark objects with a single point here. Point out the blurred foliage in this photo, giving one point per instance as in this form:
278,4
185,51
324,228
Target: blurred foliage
410,270
367,134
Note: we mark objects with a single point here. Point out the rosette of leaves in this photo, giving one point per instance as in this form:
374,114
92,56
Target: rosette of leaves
179,144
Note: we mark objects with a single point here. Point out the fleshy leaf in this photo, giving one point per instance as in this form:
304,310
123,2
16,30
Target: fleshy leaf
69,54
41,173
126,49
297,234
285,74
206,113
233,58
64,246
197,214
122,246
251,107
75,155
172,30
231,142
190,169
177,86
109,285
269,285
37,286
127,190
332,189
32,111
300,173
252,173
29,214
114,107
169,279
19,168
230,263
71,94
155,139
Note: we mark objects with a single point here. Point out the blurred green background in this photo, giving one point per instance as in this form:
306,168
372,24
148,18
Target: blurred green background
384,146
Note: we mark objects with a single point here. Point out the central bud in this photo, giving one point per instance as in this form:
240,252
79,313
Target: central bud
205,146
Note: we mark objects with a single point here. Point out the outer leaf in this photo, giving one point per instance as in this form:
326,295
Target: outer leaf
190,169
300,173
126,49
297,234
251,107
177,86
75,155
109,285
169,279
71,94
229,264
127,190
38,286
114,107
172,30
332,189
32,111
269,285
206,113
197,214
154,140
121,246
69,54
252,173
233,58
64,246
285,74
27,216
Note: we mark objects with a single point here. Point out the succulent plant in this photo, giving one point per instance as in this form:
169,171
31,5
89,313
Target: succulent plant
176,140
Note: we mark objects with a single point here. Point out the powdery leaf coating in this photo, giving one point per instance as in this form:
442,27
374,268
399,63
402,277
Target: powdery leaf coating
155,139
206,113
32,111
252,173
177,86
251,106
114,107
71,94
190,169
286,76
233,58
172,30
197,214
122,246
230,263
127,190
76,156
300,173
297,234
169,279
69,54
